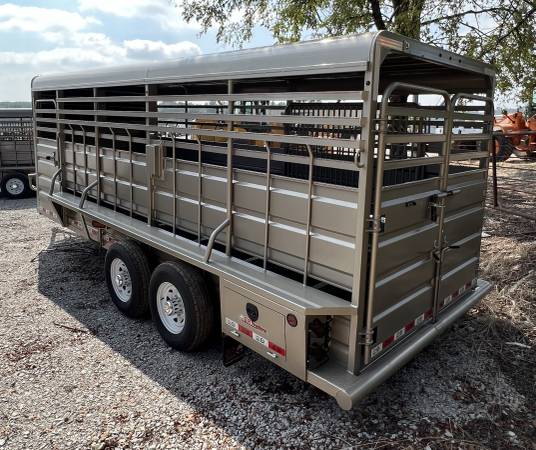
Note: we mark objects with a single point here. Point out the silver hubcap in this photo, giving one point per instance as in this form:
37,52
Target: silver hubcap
121,280
15,186
170,307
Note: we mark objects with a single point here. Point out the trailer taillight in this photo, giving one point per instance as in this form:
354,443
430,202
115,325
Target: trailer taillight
292,320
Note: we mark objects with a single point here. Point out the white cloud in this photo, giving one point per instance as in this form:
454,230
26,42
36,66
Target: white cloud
96,49
145,49
125,8
73,44
162,11
48,21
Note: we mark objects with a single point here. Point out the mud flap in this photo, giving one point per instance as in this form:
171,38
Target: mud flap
233,351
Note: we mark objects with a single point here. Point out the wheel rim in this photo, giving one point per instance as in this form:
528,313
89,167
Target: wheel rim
15,186
170,307
121,280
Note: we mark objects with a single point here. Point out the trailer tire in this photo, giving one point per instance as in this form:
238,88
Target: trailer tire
502,147
15,185
181,306
127,277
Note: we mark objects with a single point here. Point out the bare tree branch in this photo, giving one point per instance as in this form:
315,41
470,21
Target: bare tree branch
462,14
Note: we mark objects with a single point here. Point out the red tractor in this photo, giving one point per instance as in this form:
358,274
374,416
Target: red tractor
514,134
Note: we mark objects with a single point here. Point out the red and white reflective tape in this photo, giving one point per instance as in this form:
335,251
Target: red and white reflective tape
424,316
456,295
256,337
400,333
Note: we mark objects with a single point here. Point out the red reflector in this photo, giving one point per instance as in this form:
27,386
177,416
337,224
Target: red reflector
276,348
245,330
409,326
428,314
96,224
388,341
292,320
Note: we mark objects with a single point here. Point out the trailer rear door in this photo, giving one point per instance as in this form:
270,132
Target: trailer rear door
426,223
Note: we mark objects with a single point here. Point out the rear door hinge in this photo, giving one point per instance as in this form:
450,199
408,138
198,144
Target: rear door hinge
368,337
377,225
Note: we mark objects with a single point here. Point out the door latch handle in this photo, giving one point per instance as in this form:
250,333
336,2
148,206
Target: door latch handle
272,355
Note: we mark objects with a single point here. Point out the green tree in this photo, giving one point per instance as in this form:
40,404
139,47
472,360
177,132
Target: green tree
500,32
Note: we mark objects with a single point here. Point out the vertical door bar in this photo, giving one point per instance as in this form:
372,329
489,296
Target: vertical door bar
73,152
186,112
199,188
308,218
150,107
174,139
86,180
267,204
440,206
15,141
131,172
97,147
229,235
61,142
114,154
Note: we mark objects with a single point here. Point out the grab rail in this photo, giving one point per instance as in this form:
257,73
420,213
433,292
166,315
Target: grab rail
213,237
85,192
53,182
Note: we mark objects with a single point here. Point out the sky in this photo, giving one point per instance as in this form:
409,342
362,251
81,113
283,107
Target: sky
38,37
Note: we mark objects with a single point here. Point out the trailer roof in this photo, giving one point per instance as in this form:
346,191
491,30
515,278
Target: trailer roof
15,113
333,55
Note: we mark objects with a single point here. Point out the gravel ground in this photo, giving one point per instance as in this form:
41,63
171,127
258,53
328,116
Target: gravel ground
75,373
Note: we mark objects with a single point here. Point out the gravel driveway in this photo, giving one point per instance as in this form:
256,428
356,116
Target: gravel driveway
75,373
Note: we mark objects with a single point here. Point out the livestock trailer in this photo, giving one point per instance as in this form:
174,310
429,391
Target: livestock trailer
16,151
311,200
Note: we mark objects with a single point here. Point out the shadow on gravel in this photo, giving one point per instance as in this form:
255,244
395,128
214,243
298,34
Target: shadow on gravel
259,404
23,203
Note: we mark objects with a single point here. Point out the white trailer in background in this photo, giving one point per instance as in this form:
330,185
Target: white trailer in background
16,152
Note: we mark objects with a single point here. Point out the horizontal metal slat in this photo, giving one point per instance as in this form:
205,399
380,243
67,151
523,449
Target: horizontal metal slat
411,138
471,137
302,140
468,155
467,116
418,112
258,118
411,162
325,95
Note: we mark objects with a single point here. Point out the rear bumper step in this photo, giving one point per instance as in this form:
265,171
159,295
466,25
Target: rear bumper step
349,389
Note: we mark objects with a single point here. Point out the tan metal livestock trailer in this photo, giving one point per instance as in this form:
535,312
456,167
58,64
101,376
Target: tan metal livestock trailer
16,152
311,199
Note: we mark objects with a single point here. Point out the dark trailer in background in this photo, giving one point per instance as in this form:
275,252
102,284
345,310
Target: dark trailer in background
332,191
16,152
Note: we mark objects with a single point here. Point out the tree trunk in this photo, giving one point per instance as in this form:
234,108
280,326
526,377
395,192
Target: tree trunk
407,17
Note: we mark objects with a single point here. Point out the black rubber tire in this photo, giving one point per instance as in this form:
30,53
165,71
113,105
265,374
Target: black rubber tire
198,305
505,148
24,180
138,267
